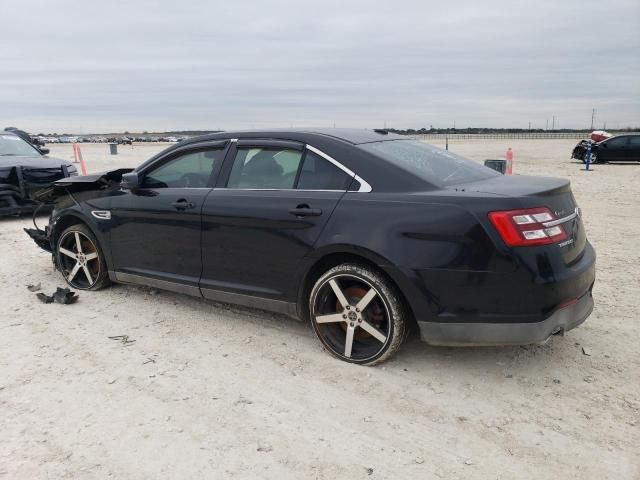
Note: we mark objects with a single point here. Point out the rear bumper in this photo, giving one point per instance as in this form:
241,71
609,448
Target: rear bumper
486,334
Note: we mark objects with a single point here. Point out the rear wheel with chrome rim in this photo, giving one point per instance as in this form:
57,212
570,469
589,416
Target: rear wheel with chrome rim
80,259
357,314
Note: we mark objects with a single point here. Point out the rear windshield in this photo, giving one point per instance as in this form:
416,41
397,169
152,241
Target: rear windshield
11,145
438,167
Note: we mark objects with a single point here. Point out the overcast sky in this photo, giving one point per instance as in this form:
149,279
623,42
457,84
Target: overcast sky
97,66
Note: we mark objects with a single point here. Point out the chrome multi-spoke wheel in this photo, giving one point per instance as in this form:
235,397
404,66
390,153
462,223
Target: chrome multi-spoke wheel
356,314
79,258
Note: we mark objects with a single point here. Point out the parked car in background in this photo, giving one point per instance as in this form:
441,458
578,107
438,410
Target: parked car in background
25,169
621,148
36,142
364,234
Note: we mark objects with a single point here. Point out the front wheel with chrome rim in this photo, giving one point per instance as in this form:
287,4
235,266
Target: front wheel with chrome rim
357,314
80,259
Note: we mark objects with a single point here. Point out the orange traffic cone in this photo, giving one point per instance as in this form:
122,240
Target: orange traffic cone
509,156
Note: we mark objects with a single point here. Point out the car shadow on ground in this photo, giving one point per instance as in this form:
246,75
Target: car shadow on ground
415,354
497,362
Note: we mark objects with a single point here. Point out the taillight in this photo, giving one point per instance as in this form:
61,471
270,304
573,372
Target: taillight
523,228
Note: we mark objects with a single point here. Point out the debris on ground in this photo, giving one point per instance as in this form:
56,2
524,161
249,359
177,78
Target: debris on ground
61,295
264,447
65,296
148,360
44,298
586,351
124,339
34,288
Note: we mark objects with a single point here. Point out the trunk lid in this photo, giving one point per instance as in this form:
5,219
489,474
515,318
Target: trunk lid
522,191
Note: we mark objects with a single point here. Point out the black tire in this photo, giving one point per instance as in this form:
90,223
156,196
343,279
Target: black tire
377,330
89,272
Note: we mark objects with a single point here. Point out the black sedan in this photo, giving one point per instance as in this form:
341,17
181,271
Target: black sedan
25,169
365,234
621,148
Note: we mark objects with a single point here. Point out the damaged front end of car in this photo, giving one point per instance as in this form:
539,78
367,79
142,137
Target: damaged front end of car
63,194
580,150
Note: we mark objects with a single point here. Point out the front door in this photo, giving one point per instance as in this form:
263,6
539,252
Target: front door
156,228
613,150
267,211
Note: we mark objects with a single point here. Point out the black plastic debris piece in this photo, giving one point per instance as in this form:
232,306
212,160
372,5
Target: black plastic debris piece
61,295
34,288
65,296
44,298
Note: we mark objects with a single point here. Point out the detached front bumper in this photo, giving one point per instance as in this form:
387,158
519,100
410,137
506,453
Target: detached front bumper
487,334
41,237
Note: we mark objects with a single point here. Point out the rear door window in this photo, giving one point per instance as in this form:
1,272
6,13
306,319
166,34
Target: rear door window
438,167
264,168
319,174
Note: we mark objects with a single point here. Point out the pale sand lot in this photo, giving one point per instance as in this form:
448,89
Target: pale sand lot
236,393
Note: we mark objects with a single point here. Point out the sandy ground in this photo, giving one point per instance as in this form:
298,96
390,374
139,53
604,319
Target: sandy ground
213,391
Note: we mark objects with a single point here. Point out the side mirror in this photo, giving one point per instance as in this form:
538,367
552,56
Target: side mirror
130,181
44,150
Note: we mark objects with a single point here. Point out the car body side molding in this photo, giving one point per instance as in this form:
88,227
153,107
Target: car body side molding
277,306
123,277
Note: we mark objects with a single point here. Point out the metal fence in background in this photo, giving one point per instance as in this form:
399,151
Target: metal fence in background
453,137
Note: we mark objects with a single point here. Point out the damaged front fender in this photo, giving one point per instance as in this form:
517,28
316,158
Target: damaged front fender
61,191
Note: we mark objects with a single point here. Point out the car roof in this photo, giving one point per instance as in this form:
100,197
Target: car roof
353,136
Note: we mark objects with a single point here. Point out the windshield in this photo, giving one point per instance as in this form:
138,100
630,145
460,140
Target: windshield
438,167
14,145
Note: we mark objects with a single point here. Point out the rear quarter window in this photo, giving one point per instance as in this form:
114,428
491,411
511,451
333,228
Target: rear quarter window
437,167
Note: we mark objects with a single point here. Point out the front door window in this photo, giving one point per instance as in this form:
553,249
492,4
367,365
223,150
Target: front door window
190,170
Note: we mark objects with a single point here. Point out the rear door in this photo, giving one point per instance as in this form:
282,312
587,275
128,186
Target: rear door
270,205
156,229
633,150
